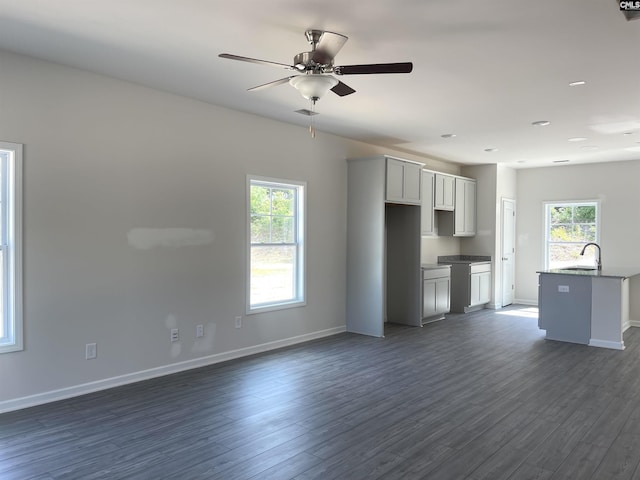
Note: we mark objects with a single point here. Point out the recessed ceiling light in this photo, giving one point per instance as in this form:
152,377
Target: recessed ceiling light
577,84
541,123
628,133
560,161
520,161
448,135
490,150
577,139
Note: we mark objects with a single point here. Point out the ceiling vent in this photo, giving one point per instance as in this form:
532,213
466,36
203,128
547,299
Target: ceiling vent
306,112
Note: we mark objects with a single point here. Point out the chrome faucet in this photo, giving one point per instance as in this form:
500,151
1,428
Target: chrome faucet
599,259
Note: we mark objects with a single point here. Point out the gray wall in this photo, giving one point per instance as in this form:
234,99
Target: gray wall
113,172
495,182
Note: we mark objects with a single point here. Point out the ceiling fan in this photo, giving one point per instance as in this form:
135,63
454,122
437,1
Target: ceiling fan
314,68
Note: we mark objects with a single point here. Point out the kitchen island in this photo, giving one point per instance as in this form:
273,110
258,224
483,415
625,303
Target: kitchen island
584,305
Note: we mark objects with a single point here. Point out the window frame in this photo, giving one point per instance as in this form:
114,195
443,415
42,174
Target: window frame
11,246
300,243
546,222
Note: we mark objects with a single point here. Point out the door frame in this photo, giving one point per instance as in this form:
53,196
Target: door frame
503,233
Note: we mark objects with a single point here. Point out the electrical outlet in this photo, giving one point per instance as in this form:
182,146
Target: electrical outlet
91,351
238,322
199,330
563,288
175,335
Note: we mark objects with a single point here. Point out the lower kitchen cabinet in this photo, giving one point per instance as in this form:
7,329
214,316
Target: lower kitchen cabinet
470,285
436,290
480,290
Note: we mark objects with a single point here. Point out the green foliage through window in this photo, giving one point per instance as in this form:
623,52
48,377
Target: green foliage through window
273,212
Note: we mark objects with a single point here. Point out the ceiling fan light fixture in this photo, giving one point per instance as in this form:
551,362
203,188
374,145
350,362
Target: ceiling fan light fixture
313,87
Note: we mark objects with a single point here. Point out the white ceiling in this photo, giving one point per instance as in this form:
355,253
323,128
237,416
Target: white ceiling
483,69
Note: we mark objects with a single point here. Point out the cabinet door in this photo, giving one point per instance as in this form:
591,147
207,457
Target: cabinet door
470,208
485,287
480,291
444,192
429,298
460,208
395,180
443,295
412,181
465,209
427,216
474,291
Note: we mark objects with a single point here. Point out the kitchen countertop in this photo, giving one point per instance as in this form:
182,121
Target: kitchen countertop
434,266
612,272
463,258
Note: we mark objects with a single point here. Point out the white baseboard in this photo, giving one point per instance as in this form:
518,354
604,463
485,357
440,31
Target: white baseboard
594,342
634,323
77,390
525,301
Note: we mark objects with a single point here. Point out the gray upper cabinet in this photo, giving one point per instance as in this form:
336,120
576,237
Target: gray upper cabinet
444,198
403,182
427,223
465,211
462,221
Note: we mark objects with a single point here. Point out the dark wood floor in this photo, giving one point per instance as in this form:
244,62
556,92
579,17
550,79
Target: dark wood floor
477,396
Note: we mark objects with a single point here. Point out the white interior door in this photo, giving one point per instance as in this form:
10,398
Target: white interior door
508,250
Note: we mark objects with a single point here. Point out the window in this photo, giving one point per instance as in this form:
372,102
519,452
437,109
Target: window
569,226
276,244
10,247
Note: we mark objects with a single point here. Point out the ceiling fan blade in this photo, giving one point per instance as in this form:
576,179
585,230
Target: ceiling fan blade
342,89
328,43
271,84
404,67
255,60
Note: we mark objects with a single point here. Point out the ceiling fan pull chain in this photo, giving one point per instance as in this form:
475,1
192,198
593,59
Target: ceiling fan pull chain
312,130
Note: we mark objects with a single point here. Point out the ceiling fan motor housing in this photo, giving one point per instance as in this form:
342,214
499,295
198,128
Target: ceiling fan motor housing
315,60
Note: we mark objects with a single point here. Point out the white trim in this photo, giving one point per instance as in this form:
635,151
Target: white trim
634,323
594,342
545,223
12,203
525,301
301,261
501,262
77,390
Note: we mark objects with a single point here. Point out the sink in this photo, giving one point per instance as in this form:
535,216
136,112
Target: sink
580,269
